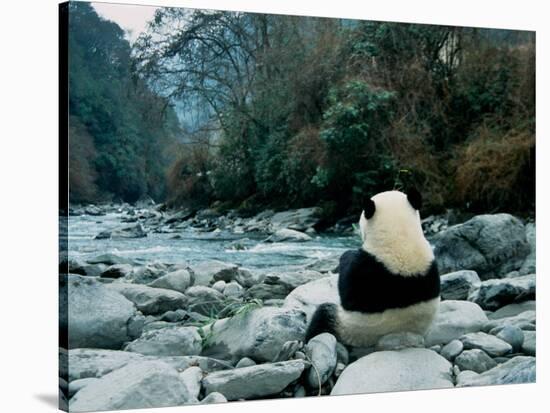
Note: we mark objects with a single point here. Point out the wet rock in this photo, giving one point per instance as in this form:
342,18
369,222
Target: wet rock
133,231
137,385
520,369
492,345
321,351
454,319
150,300
178,280
110,259
494,294
207,272
147,273
452,349
204,300
255,381
456,285
233,289
171,341
513,336
409,369
117,271
491,245
97,316
400,341
474,360
258,334
288,235
298,219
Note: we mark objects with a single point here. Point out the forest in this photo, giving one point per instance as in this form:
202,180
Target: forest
246,111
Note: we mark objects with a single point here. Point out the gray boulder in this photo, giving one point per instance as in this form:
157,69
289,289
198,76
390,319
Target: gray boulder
298,219
409,369
76,385
451,350
492,345
213,398
207,272
84,363
97,316
178,280
288,235
110,259
454,319
529,266
321,351
137,385
259,334
456,285
520,369
233,290
524,321
117,271
204,300
255,381
465,376
475,360
150,300
514,309
171,341
529,345
512,335
147,273
308,296
264,291
400,341
192,379
133,231
491,245
293,279
493,294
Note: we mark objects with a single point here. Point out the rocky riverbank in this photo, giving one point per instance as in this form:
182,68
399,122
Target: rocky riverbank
151,334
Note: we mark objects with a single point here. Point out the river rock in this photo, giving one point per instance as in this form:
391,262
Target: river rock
110,259
409,369
233,290
206,364
520,369
245,362
265,291
219,286
493,294
133,231
492,345
465,376
512,335
400,341
529,345
117,271
321,351
150,300
192,378
529,266
204,300
514,309
170,341
454,319
137,385
97,316
213,398
452,349
298,219
207,272
491,245
308,296
146,274
258,334
178,280
288,235
76,385
456,285
85,362
524,321
293,279
255,381
93,210
475,360
245,277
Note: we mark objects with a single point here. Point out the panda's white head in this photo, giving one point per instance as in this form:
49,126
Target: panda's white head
391,231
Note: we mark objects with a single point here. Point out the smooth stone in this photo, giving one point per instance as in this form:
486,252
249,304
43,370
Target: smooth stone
137,385
454,319
514,309
465,376
83,363
178,280
321,351
110,259
207,272
255,381
529,346
409,369
171,341
298,219
490,344
265,291
117,271
288,235
525,321
233,289
150,300
452,349
521,369
76,385
399,341
97,316
219,286
245,362
456,285
309,296
513,336
293,279
475,360
204,300
192,378
213,398
494,294
259,334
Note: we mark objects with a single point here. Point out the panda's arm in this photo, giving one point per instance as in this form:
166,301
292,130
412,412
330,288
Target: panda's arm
352,280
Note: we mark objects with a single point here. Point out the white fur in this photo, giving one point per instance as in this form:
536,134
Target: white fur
364,330
394,235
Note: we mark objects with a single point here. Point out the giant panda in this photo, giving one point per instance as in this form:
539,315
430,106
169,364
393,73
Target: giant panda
391,284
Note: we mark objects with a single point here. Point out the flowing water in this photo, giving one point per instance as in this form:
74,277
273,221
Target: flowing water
191,246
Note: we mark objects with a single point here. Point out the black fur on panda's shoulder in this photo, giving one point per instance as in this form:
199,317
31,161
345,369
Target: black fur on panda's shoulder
366,285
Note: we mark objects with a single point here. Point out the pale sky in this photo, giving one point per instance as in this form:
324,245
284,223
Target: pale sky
131,18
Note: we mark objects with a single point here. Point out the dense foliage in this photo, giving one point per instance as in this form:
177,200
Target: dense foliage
119,131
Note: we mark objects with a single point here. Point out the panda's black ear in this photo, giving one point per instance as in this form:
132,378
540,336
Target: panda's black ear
414,197
369,208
